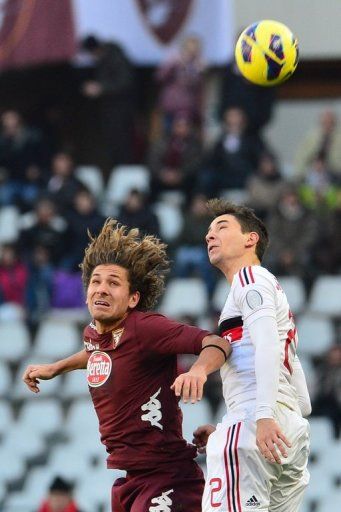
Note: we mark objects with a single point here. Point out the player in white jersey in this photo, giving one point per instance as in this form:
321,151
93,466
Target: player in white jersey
257,456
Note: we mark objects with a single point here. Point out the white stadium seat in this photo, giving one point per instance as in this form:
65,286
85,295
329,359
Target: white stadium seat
9,224
92,178
15,340
184,296
5,380
170,219
14,468
125,178
325,298
26,442
75,385
34,492
98,495
81,420
56,340
68,461
294,290
315,334
220,294
6,415
43,416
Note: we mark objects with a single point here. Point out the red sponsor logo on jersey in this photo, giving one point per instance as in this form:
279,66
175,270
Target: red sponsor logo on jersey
98,369
232,335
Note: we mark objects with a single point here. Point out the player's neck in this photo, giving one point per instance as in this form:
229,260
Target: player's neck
102,328
233,266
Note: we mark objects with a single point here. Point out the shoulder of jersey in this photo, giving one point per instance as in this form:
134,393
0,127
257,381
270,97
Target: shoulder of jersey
251,275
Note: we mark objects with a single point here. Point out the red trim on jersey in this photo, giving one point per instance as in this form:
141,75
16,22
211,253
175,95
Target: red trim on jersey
232,335
227,471
251,275
241,278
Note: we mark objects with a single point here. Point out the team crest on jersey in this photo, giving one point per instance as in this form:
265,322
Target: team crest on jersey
98,369
116,336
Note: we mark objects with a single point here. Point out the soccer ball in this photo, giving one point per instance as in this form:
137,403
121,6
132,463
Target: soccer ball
267,53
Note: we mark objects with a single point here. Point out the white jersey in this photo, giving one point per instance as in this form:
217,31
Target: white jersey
255,293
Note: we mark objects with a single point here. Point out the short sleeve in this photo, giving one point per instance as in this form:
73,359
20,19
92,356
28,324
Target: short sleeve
157,333
255,295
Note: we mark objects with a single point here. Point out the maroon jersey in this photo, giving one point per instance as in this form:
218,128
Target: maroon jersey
130,371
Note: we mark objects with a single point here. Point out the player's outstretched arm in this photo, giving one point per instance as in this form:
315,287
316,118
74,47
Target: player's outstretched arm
201,435
214,353
33,373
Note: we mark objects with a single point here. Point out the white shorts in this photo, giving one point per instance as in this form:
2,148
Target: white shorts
239,479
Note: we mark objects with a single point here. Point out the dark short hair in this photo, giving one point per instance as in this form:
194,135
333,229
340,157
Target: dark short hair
247,219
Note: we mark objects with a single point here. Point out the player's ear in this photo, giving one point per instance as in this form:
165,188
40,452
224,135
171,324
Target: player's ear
252,239
134,299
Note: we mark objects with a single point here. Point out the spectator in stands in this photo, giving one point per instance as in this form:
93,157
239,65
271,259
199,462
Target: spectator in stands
323,140
23,156
136,213
320,188
13,276
293,231
43,227
59,498
328,397
174,160
257,101
233,158
83,216
191,255
39,286
63,184
181,84
265,186
113,88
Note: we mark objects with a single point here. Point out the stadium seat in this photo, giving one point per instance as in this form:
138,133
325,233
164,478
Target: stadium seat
6,416
92,178
332,501
75,385
20,439
170,220
56,340
294,290
220,294
319,486
34,491
81,419
43,416
14,468
68,461
125,178
97,495
325,296
321,434
15,341
194,415
315,334
5,380
9,224
184,296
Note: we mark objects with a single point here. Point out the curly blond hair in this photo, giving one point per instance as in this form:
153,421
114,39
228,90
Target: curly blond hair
144,257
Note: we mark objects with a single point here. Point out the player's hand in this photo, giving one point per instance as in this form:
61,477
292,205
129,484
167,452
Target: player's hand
271,441
33,373
190,385
201,435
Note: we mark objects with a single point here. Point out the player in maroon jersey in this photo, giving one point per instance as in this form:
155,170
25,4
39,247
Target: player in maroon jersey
130,356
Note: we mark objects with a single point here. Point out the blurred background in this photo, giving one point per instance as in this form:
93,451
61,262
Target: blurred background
135,109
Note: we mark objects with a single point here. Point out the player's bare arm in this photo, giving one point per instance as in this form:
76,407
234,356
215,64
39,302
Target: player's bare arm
190,385
33,373
201,435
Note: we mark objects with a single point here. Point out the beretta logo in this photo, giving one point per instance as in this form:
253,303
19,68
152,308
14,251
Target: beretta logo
98,369
164,18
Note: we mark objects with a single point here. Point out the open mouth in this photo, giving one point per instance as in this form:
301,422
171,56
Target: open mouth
101,303
210,249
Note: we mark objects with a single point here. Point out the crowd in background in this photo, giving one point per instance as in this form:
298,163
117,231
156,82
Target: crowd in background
38,177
